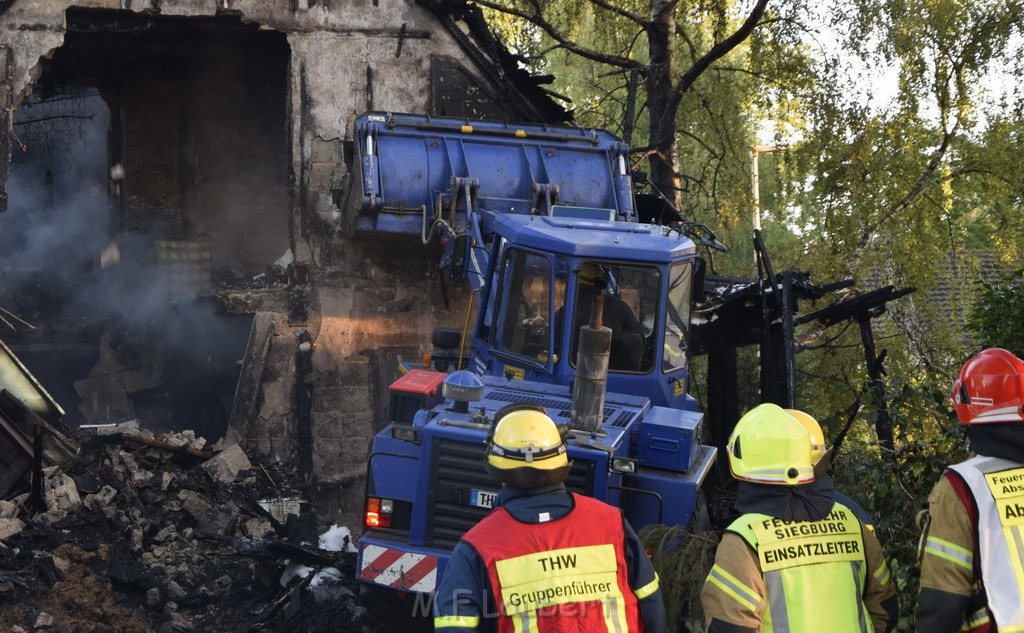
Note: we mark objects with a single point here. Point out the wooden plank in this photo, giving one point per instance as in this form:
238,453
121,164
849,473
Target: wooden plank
251,374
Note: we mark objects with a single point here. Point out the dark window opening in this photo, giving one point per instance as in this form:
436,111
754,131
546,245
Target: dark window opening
150,169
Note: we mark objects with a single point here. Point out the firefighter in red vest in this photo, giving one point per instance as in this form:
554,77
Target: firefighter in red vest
545,559
972,546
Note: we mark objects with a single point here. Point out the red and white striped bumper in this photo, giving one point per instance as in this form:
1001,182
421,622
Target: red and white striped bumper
398,569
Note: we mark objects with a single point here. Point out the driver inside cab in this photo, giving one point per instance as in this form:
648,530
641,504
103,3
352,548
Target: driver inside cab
627,350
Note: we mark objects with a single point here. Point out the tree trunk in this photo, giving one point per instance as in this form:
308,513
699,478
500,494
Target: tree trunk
660,102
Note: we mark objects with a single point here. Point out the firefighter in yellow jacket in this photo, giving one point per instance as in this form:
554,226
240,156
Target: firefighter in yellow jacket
796,560
972,548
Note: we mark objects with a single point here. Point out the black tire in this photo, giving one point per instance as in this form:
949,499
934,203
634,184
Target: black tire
389,611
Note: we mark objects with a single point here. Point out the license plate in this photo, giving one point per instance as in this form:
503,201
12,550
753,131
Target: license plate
482,498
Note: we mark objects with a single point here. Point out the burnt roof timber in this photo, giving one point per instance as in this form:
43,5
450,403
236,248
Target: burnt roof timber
870,304
531,102
733,310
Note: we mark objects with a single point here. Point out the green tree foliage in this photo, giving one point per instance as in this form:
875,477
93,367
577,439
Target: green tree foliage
900,177
904,178
690,65
998,316
900,127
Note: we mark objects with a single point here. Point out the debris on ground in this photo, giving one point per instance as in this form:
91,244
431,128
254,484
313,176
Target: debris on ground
164,534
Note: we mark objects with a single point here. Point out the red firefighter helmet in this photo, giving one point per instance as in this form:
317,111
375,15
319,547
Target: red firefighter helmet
990,388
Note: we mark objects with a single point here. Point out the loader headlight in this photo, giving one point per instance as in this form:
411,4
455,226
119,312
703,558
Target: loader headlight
404,432
623,465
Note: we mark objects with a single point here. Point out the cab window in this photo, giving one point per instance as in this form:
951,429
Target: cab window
677,316
630,310
525,305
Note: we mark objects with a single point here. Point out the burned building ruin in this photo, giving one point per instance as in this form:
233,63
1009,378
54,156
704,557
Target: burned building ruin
173,175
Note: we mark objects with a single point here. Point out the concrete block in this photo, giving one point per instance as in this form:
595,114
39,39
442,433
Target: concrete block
49,517
10,527
322,151
62,494
227,464
101,498
257,528
194,503
8,509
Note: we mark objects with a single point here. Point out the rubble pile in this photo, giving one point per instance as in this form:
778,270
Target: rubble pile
138,534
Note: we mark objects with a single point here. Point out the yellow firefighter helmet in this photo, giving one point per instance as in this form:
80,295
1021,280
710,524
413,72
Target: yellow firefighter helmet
818,447
769,446
526,448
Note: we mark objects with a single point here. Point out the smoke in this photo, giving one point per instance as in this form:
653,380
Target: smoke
58,206
60,260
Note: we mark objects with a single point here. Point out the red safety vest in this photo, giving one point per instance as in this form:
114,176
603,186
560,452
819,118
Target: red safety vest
568,574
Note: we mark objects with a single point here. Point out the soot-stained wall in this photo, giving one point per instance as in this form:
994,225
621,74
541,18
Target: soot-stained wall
231,121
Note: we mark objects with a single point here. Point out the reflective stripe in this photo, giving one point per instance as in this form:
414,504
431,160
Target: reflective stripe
613,610
772,474
949,551
861,616
810,571
734,588
777,610
995,485
457,621
1017,551
647,589
882,574
522,622
976,619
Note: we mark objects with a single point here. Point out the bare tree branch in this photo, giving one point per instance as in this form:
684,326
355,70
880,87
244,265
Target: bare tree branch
925,183
536,17
55,117
717,52
686,39
632,17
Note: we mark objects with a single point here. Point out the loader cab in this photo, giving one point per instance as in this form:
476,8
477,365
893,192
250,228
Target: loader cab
543,286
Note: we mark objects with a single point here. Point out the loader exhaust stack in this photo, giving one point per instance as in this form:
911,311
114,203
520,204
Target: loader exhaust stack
591,372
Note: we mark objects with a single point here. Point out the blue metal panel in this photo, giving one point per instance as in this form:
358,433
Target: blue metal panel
669,439
406,161
667,497
626,241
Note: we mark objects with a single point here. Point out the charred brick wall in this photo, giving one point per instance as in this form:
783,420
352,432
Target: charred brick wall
151,153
